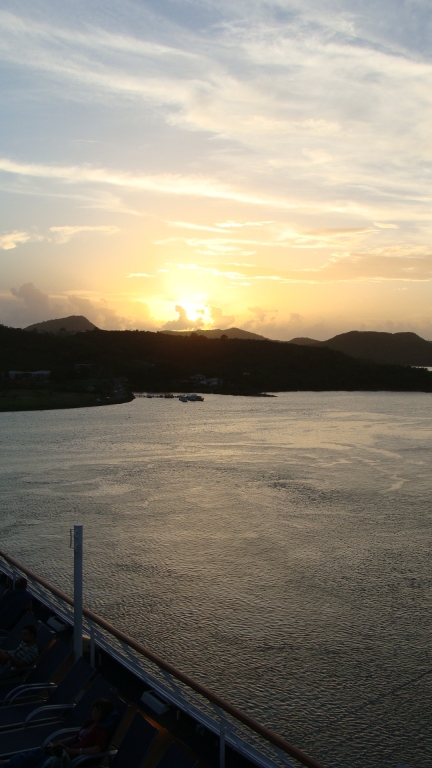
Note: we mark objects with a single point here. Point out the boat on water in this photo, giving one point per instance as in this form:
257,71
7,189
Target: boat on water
183,398
194,398
189,725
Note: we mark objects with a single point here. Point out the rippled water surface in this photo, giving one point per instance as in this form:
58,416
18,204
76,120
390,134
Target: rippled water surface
279,550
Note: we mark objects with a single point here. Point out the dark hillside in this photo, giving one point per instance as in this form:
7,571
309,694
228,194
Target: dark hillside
306,341
154,361
216,333
71,324
397,348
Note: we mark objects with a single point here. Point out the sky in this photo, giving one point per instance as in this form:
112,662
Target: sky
187,164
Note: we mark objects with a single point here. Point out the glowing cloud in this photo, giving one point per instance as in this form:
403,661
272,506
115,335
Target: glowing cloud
12,239
64,234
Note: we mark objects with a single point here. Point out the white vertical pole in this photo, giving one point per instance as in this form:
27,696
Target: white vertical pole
78,590
222,744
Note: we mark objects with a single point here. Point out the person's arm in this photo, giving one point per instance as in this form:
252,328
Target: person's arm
5,657
74,752
17,662
23,660
97,742
64,742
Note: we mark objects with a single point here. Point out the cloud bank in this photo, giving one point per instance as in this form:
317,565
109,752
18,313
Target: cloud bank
265,147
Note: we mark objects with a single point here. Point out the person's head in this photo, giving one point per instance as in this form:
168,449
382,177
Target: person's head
101,708
29,634
21,583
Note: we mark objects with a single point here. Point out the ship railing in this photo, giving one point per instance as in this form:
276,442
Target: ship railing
230,725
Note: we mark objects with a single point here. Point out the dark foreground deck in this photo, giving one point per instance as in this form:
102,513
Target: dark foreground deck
165,718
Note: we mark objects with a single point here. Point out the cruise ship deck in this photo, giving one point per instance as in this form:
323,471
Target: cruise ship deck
164,717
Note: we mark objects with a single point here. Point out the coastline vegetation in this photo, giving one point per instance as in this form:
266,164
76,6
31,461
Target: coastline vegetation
85,366
42,400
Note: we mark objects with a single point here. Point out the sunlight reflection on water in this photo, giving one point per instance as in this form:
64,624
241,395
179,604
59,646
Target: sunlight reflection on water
277,550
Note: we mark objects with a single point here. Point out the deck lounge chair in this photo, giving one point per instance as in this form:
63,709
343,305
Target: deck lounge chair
176,757
64,693
40,675
11,639
136,743
131,752
31,736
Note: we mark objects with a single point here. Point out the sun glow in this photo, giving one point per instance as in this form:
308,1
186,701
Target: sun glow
196,310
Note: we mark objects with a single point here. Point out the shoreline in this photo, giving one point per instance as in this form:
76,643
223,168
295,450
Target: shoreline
63,405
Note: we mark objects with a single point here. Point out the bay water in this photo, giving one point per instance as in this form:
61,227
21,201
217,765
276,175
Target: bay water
276,549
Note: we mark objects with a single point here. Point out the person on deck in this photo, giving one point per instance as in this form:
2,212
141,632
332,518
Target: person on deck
92,739
13,601
23,656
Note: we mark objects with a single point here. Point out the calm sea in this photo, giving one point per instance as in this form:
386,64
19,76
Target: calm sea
278,550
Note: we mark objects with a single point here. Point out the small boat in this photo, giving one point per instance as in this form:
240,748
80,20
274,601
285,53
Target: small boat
195,398
183,398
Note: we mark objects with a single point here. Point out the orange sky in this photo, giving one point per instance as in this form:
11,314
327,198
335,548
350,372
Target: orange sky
188,165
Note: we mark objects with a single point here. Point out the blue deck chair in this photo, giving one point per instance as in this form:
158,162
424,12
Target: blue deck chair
136,743
39,677
30,737
64,693
175,757
13,604
131,752
13,638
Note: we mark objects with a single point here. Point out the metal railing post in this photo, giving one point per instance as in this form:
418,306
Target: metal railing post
222,744
78,591
92,646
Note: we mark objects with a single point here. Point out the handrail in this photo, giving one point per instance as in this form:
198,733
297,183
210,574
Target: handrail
250,722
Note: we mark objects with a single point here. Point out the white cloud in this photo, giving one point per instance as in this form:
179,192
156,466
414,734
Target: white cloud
64,234
219,319
385,225
200,186
35,301
28,304
190,225
238,224
141,274
12,239
294,106
378,265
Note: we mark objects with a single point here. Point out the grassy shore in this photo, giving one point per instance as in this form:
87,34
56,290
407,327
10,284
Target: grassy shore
42,400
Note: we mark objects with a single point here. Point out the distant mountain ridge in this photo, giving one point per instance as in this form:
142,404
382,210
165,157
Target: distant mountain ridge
393,348
71,324
216,333
404,348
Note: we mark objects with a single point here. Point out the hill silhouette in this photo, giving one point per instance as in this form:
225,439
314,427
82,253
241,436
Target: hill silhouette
158,361
71,324
391,348
216,333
